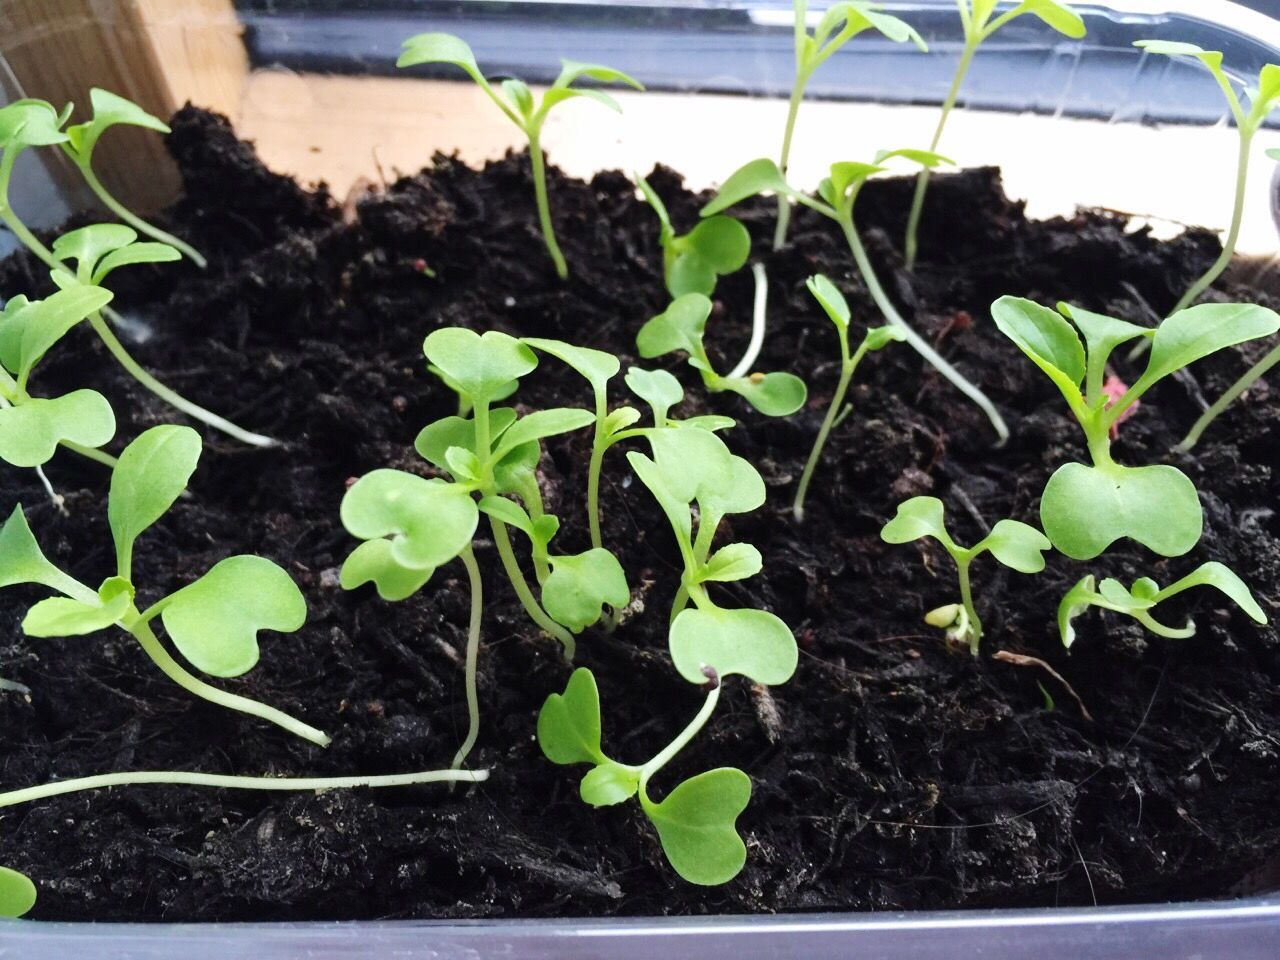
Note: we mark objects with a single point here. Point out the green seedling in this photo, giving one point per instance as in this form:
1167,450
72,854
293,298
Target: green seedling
1017,545
839,24
516,101
17,893
1249,118
681,328
834,305
25,124
1137,601
111,110
692,262
708,643
1086,508
412,525
980,23
214,622
837,196
32,428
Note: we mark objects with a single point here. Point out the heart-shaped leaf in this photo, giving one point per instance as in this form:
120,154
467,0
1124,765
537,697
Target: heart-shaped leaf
215,621
679,327
916,518
1047,338
753,643
30,432
609,783
429,522
596,366
1198,331
569,722
373,562
579,586
17,893
1085,509
658,388
697,824
1017,545
758,176
150,475
481,365
773,394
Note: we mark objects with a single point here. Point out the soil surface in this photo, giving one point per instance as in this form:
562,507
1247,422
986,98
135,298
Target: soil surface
891,772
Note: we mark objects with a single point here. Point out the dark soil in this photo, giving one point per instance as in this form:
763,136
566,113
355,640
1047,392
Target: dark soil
896,774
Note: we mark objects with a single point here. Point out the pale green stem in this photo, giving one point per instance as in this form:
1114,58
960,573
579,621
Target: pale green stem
223,782
917,342
106,459
828,424
538,163
680,742
132,219
502,541
531,494
141,631
966,598
1159,629
784,202
1233,234
922,180
1248,379
473,653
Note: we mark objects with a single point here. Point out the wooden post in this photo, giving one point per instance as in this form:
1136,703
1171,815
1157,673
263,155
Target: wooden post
159,53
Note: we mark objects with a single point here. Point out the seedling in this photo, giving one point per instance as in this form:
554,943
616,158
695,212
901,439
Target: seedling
1017,545
1086,508
34,123
32,428
980,23
517,103
876,338
681,327
110,110
708,643
214,622
839,24
1262,100
1137,601
837,196
693,261
17,893
411,525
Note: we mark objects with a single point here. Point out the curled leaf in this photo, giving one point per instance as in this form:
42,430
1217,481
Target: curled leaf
579,586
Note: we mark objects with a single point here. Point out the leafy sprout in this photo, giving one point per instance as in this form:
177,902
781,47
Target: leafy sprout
516,101
836,307
837,196
839,24
1138,600
692,262
1085,508
214,622
690,467
1015,544
111,110
681,328
17,893
979,20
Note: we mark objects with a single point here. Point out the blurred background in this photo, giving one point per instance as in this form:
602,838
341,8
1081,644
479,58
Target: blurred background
313,84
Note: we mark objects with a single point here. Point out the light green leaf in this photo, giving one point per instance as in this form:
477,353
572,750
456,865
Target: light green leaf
572,70
429,522
693,464
558,95
90,244
754,643
542,424
758,176
658,388
722,242
508,512
373,562
1017,545
146,252
151,474
569,722
64,617
733,561
609,783
480,365
42,323
1198,331
518,93
215,621
743,493
690,273
1085,509
1264,99
697,825
773,394
848,173
17,893
877,338
30,432
1049,340
435,440
110,109
710,422
21,560
1075,602
1174,48
916,518
596,366
506,390
1057,15
831,300
1214,574
439,48
651,197
1102,334
619,419
580,585
679,327
29,123
677,510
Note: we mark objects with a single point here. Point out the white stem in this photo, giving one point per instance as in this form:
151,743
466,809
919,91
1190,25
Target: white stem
759,314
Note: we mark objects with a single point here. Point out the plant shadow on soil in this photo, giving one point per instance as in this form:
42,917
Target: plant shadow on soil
889,773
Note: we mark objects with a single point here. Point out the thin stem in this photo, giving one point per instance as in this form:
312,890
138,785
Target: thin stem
223,782
910,246
828,424
538,163
531,494
1248,379
1159,629
106,459
473,653
759,315
175,672
680,742
920,345
784,202
966,598
132,219
502,541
